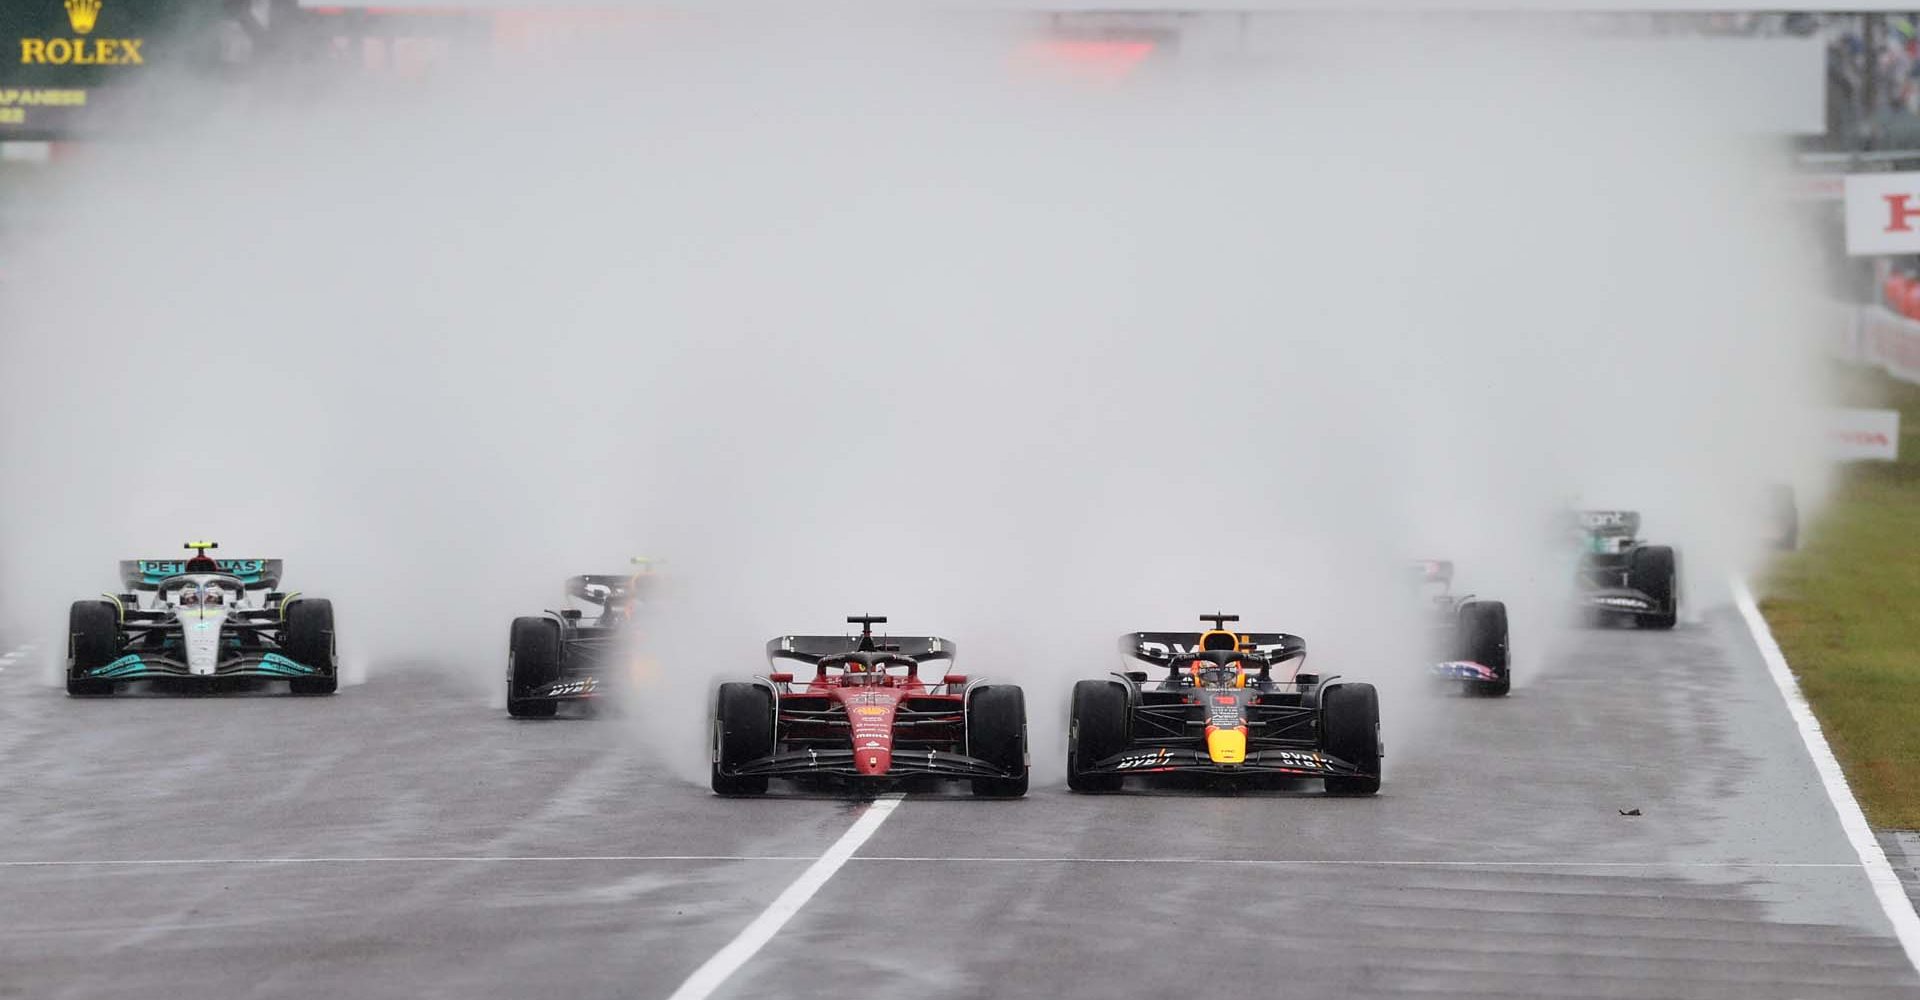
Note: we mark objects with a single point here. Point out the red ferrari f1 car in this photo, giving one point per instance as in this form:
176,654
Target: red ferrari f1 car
866,717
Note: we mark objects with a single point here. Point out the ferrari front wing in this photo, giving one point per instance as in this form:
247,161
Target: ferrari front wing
840,763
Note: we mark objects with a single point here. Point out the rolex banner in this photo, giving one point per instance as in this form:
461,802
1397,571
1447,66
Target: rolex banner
65,62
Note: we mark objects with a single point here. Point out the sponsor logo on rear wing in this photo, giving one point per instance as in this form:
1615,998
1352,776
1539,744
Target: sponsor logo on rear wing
1609,522
147,574
1159,647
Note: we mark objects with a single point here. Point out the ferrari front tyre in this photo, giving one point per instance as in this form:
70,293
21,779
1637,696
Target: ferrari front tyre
93,640
1654,571
309,642
1350,731
742,732
997,734
1096,730
1483,640
533,661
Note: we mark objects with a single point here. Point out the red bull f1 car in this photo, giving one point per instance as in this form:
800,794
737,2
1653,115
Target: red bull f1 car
201,624
859,714
1470,635
1225,704
572,654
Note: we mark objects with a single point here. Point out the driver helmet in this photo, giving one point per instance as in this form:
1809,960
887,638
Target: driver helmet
1234,673
214,596
188,597
1606,545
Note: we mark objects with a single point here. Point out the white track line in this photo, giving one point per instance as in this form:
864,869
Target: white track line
1886,884
400,859
918,860
728,960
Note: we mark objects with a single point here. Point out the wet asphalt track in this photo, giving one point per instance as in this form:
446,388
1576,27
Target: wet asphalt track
1495,863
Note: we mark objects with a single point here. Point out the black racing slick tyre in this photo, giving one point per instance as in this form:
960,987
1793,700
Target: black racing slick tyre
309,641
1350,730
742,732
1483,640
1654,571
1096,730
997,734
93,640
533,660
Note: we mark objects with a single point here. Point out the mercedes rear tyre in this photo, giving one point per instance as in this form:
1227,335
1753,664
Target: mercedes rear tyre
533,661
1483,640
742,732
93,641
1654,571
997,734
1096,731
310,643
1350,731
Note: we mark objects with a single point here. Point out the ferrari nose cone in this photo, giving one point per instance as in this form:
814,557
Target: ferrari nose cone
1227,746
872,760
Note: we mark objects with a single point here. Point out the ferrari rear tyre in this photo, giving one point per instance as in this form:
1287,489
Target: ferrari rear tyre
533,660
1350,730
93,640
1653,571
742,732
310,642
997,734
1097,730
1483,640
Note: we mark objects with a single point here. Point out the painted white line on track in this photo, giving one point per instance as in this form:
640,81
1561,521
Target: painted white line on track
918,860
728,960
400,859
1885,882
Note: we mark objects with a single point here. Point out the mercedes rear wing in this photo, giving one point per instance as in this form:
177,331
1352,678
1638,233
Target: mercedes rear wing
147,574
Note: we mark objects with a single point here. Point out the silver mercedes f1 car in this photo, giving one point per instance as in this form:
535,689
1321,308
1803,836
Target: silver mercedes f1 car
201,624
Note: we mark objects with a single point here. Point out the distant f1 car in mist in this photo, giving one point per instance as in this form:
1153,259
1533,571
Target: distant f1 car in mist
1229,705
867,717
1623,578
1469,634
1783,517
204,624
569,654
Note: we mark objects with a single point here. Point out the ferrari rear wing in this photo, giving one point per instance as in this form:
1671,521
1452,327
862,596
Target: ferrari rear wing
146,574
810,648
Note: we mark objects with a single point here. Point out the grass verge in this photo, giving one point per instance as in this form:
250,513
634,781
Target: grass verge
1846,610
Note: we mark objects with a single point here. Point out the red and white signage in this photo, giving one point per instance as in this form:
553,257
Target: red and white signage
1883,213
1863,435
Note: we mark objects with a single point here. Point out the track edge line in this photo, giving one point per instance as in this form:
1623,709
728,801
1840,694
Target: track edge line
1887,889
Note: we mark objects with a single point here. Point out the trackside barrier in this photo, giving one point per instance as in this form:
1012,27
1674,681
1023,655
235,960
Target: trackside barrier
1878,336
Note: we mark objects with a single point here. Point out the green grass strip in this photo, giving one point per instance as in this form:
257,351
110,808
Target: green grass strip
1846,610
